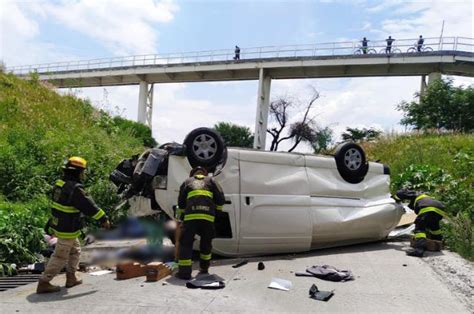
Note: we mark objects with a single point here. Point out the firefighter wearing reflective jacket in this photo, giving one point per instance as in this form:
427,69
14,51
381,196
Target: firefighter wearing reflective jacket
430,212
199,199
69,201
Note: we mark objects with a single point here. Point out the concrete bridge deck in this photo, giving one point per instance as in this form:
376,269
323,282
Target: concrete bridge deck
404,64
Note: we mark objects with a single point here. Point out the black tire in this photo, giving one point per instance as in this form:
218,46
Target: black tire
351,162
204,147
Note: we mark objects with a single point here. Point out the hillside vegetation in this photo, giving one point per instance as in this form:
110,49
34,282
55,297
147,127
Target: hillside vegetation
39,129
441,165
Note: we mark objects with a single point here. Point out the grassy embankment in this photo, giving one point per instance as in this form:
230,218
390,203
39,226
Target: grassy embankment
38,129
441,165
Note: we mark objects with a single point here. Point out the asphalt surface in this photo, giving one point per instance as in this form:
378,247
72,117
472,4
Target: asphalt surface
386,281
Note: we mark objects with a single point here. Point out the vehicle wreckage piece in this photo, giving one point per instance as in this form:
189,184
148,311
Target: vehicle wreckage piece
316,294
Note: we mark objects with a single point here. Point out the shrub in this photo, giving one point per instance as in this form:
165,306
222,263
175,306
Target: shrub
443,167
39,129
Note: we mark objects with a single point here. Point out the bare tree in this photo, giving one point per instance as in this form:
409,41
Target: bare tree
303,130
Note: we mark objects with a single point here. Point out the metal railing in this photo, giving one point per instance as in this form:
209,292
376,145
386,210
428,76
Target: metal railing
311,50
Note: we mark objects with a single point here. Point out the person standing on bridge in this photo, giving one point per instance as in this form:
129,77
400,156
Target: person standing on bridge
364,45
389,41
237,53
419,44
199,199
429,213
69,201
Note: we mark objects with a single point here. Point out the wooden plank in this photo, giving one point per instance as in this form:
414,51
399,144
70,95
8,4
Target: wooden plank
407,219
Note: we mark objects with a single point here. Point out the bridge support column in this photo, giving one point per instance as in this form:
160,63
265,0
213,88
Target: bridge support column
145,103
423,85
433,77
263,105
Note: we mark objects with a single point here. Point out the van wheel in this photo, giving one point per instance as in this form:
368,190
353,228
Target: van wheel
351,162
204,147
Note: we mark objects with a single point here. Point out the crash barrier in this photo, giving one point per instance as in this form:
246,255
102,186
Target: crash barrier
376,47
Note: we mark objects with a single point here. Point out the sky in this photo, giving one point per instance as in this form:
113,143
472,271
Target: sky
51,31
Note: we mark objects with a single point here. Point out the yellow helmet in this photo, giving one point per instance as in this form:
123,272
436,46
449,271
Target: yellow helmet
76,163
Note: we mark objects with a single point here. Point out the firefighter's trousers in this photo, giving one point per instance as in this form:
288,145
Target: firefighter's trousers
203,228
427,226
66,253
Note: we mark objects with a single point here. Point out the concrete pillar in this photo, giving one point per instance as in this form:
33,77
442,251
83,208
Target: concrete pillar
263,105
423,85
145,103
142,95
433,77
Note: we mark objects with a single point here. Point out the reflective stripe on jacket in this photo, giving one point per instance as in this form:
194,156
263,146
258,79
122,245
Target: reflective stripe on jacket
424,204
200,197
68,202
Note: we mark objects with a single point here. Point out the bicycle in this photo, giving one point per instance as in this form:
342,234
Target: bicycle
360,51
414,49
392,51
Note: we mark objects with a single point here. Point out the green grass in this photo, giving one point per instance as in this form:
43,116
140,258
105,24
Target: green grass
39,129
441,165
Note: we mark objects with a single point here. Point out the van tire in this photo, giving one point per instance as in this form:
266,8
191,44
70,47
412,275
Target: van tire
351,162
204,147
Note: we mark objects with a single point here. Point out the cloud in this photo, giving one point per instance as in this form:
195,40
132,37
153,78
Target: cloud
17,32
124,27
409,19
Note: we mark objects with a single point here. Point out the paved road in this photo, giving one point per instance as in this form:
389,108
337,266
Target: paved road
382,285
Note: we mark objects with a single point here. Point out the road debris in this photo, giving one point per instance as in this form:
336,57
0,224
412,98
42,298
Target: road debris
154,271
210,282
244,262
280,284
327,272
261,266
101,273
315,293
401,232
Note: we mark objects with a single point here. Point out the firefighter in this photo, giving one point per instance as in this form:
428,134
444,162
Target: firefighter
430,212
69,201
199,199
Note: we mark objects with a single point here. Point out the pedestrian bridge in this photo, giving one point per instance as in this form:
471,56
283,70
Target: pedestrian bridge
448,55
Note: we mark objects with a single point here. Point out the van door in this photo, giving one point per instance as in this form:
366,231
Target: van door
275,203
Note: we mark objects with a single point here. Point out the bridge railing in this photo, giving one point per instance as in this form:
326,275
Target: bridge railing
319,49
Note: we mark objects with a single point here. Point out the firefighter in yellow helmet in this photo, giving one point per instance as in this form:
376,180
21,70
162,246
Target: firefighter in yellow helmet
199,199
69,201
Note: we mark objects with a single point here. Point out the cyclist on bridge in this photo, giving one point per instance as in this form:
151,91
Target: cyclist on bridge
420,43
364,45
389,41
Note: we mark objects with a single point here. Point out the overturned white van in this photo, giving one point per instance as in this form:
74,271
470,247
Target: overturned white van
280,202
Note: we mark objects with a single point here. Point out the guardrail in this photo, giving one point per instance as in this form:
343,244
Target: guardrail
310,50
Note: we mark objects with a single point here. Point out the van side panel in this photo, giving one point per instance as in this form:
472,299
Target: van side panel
275,203
344,213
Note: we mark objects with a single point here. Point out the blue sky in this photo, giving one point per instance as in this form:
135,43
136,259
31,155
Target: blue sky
49,31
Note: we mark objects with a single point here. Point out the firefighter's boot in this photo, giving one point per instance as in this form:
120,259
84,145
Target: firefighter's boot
71,280
46,287
419,248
